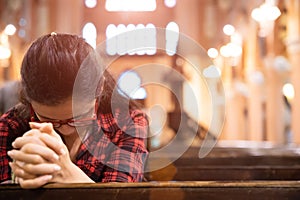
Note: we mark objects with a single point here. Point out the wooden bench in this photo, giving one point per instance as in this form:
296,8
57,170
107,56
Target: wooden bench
159,190
226,173
231,164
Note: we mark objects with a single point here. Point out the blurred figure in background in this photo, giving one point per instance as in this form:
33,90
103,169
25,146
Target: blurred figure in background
9,95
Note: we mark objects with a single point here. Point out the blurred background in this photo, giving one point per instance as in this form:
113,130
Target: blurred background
254,44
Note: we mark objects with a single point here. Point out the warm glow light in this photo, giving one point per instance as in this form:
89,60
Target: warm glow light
131,39
111,40
212,53
173,26
140,39
265,15
140,94
231,50
228,29
89,33
224,51
170,3
5,52
10,29
172,37
130,5
150,39
121,39
288,91
131,42
266,12
4,40
111,31
90,3
129,83
236,38
235,50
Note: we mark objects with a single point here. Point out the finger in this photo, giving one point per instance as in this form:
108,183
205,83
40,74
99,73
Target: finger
56,145
35,125
35,154
41,169
21,141
48,128
19,172
44,151
24,157
41,157
29,171
32,132
36,182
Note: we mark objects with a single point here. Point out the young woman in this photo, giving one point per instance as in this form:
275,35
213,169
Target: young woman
71,125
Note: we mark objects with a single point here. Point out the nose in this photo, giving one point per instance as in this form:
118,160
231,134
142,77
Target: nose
65,129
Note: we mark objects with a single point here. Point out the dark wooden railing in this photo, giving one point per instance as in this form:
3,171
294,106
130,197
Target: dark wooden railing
159,190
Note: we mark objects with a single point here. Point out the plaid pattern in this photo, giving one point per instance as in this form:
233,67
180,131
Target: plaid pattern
113,151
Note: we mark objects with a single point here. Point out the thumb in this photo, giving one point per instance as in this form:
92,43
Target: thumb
45,128
48,128
35,125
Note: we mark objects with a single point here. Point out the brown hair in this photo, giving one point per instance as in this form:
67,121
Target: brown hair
54,63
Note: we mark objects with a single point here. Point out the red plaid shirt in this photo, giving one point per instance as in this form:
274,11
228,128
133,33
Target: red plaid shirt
115,151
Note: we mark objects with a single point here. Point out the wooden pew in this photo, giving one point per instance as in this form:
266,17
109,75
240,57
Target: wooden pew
226,173
229,164
159,190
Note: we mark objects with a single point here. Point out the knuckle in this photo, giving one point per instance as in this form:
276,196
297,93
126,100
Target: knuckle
18,141
34,140
26,148
32,132
28,167
19,172
37,159
45,137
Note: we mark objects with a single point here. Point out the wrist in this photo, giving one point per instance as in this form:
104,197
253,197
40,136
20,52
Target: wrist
71,173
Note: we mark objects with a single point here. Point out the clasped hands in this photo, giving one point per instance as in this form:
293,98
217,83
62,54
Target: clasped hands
40,157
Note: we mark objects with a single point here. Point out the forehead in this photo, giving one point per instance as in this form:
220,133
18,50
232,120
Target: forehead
65,110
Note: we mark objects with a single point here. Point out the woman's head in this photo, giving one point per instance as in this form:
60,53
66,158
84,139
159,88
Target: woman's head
60,67
50,67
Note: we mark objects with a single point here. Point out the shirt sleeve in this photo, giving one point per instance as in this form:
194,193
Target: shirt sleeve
128,151
5,172
11,127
